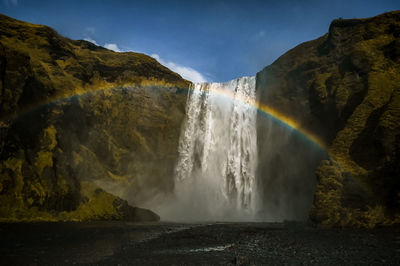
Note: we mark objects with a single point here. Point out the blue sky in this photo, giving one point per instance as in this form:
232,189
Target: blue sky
202,40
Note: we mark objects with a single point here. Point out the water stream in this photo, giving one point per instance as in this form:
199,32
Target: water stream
215,172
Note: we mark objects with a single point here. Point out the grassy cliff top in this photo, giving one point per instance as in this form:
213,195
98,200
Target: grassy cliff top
37,63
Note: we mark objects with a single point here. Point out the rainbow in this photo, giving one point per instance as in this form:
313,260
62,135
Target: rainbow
275,114
265,109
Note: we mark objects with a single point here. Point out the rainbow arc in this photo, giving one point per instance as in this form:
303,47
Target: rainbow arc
263,108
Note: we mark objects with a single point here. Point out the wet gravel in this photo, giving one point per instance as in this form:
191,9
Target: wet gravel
120,243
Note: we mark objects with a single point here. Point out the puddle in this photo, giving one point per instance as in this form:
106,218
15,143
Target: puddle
196,250
209,249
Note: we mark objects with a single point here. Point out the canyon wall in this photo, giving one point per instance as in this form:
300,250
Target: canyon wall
81,124
345,88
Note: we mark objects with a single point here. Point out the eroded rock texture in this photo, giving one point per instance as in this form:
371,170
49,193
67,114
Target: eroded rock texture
79,122
345,87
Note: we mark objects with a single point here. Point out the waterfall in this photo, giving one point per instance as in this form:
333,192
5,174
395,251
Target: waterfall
215,172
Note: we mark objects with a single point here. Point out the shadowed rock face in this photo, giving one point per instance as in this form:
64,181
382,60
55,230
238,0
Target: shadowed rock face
55,154
345,87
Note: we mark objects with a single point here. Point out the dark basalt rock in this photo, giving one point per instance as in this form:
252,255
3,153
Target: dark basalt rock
134,214
73,112
344,87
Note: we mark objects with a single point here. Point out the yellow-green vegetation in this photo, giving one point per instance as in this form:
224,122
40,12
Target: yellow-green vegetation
337,197
380,90
138,131
82,117
10,173
97,205
13,205
320,87
344,87
55,67
44,159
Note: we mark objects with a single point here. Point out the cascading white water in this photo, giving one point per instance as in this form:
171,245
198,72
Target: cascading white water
215,172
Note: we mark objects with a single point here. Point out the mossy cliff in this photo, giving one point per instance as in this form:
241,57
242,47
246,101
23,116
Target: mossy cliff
38,65
345,88
75,118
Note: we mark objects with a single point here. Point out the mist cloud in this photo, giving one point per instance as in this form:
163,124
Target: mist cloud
186,72
91,40
112,46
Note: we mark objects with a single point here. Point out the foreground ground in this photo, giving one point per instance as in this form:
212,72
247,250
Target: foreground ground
119,243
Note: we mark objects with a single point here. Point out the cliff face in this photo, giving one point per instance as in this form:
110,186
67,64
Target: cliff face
345,87
38,65
76,120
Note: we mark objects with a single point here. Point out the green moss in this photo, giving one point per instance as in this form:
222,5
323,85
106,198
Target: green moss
341,97
64,67
40,193
12,212
96,205
99,205
390,119
344,87
44,159
320,87
328,208
142,142
15,164
50,140
121,134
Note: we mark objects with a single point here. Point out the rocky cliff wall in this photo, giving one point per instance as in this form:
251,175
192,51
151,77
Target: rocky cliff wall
345,88
79,121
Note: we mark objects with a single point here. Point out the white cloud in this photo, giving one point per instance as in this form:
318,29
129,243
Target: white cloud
91,40
112,46
186,72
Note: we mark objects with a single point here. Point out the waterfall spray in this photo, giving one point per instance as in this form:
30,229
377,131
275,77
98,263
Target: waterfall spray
215,172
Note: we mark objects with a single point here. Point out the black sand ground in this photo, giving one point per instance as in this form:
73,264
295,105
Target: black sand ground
119,243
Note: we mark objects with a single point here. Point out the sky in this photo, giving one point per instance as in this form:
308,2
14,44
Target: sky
201,40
